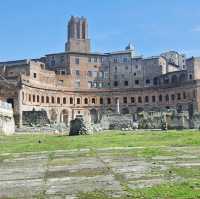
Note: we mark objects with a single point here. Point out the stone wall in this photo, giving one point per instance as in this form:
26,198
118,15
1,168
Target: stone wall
7,124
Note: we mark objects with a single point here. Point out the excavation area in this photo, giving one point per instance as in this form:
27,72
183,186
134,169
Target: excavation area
108,165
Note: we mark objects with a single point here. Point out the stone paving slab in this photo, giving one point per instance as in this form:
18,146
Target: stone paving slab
64,174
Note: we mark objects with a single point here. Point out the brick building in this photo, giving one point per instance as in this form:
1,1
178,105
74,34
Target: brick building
81,83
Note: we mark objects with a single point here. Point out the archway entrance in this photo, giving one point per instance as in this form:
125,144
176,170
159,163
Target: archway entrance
94,116
64,117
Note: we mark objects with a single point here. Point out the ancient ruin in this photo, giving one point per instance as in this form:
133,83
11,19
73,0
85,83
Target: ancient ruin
79,83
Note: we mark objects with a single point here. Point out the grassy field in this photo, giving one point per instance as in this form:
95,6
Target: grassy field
30,142
152,143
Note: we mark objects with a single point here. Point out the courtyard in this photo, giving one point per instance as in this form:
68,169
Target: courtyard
107,165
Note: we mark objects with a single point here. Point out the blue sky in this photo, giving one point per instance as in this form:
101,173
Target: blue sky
33,28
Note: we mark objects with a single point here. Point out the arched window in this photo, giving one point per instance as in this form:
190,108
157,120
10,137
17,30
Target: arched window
64,100
146,99
86,101
108,100
78,100
38,98
101,100
47,99
93,101
160,98
139,99
167,98
42,99
52,100
71,100
33,98
29,98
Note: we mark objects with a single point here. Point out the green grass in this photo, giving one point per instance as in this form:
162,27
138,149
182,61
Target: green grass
185,190
29,143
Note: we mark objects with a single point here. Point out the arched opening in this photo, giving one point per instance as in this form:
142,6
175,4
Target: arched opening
64,117
53,115
94,116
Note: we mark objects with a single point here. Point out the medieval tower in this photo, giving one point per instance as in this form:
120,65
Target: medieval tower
78,35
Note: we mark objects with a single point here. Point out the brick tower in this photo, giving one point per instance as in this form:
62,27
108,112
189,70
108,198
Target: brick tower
78,35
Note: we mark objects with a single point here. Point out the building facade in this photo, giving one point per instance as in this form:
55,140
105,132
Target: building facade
81,83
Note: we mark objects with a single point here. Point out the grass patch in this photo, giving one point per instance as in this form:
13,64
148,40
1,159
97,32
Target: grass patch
186,190
149,152
186,172
29,143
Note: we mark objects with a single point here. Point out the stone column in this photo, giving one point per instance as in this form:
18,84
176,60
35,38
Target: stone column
20,124
118,108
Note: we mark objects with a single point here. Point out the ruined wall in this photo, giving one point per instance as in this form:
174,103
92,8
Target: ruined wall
7,125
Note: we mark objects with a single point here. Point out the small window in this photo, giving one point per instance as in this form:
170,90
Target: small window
125,100
125,83
78,100
52,100
134,74
179,96
64,100
33,98
167,98
139,99
53,63
47,99
101,100
108,100
71,100
86,100
147,81
58,100
42,99
190,76
132,100
77,72
35,75
136,82
146,99
77,61
95,59
153,99
93,101
38,98
115,83
172,97
89,59
89,73
160,98
29,98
